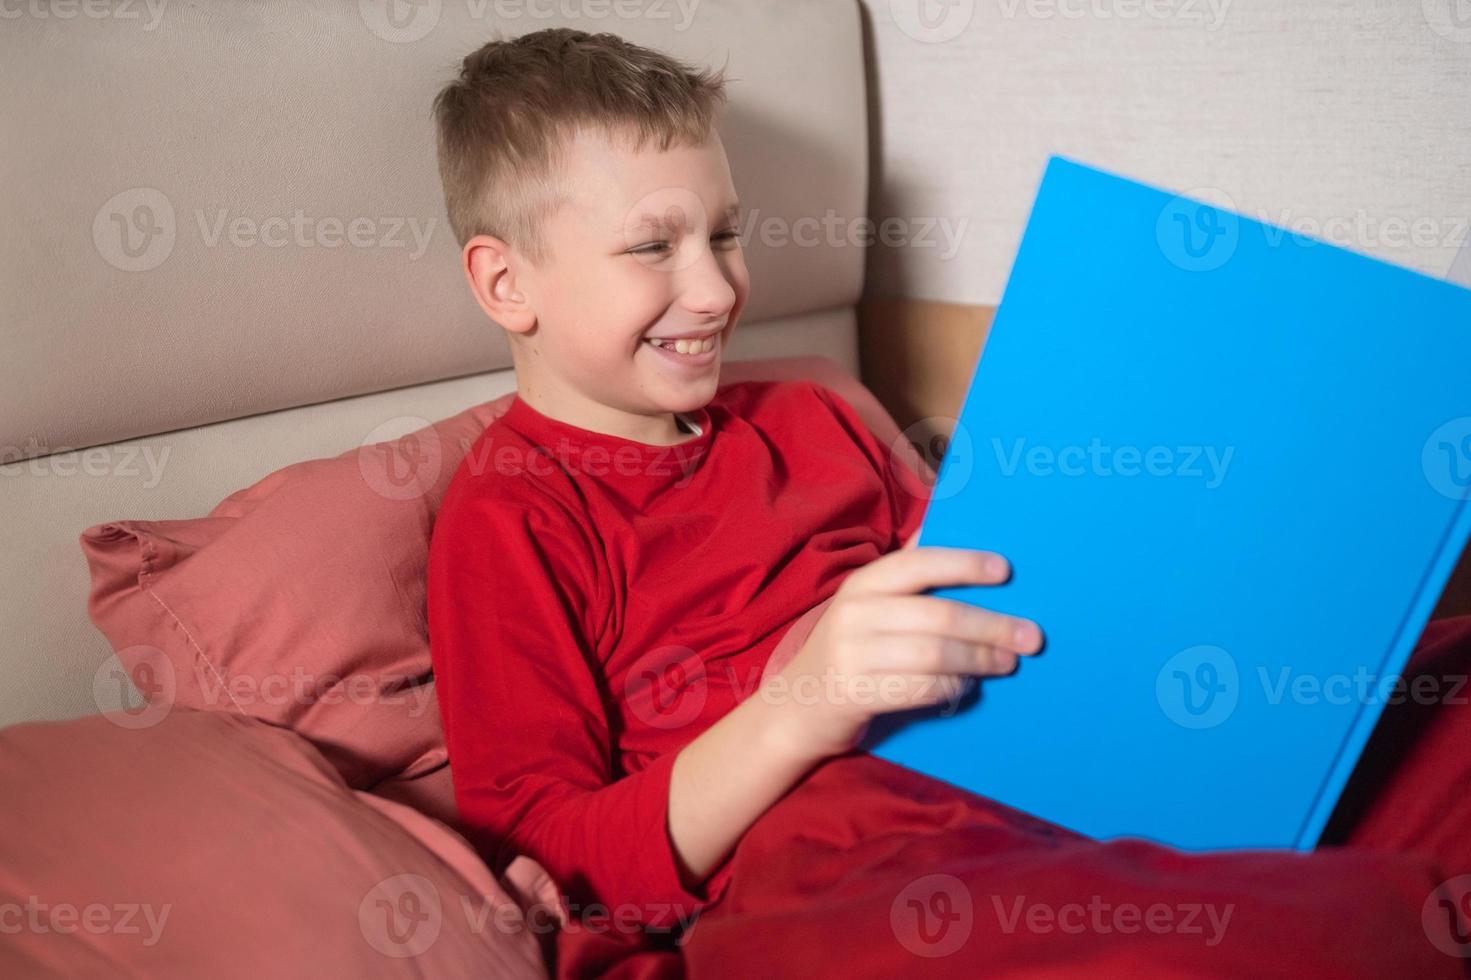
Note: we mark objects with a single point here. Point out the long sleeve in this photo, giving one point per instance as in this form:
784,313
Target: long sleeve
515,608
907,491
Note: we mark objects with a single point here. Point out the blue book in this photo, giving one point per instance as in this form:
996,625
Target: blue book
1230,467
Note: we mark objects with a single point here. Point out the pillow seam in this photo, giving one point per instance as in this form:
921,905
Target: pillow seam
198,651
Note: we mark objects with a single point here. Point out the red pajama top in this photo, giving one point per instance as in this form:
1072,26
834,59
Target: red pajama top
595,603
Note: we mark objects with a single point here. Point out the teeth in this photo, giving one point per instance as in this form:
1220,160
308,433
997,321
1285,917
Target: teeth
686,346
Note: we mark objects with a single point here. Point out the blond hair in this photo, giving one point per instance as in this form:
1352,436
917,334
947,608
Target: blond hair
505,121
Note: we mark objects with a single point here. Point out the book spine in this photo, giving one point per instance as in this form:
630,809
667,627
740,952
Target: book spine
1432,584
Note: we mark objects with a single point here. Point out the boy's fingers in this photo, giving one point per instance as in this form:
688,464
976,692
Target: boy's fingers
912,570
530,884
929,689
936,616
917,653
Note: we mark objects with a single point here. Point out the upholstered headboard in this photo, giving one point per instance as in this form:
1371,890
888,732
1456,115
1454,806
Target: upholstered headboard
227,251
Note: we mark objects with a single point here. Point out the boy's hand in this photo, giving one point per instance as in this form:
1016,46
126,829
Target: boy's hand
882,647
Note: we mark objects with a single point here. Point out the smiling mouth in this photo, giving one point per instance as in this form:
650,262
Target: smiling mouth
687,347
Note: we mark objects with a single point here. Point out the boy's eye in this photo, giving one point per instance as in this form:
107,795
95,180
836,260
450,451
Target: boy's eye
656,248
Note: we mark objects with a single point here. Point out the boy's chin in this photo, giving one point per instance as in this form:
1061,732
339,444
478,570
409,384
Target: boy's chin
685,394
687,397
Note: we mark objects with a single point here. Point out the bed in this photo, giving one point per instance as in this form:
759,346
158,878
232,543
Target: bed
233,315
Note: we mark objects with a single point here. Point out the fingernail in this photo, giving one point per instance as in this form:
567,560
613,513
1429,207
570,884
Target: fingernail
1024,638
995,566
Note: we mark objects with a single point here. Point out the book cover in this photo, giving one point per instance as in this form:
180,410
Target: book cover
1229,465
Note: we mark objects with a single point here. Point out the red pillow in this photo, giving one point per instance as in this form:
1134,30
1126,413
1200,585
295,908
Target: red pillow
210,844
300,600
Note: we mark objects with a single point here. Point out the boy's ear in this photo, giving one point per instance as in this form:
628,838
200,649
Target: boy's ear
491,268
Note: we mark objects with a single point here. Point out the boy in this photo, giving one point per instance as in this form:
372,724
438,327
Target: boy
606,594
565,593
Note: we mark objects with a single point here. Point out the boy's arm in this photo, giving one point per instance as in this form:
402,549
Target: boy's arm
528,738
727,777
512,594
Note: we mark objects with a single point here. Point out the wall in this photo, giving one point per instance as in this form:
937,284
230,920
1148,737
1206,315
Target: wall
1354,117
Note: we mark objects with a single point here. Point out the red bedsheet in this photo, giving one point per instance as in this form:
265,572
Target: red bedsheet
867,869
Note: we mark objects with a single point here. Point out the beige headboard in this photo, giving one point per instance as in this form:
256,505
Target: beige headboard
227,251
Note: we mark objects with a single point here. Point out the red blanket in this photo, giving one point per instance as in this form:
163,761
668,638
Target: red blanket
867,869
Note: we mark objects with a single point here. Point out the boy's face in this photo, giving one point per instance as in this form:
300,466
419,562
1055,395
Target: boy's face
646,247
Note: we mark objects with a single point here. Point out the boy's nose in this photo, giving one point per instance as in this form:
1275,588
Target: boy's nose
706,287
